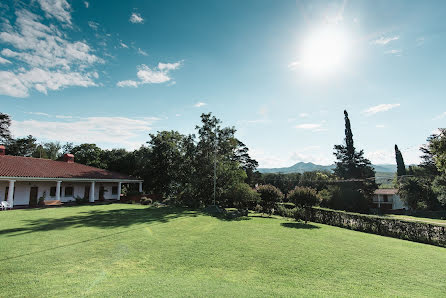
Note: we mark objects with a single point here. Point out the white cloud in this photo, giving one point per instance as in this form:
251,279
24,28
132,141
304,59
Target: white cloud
123,45
303,115
309,126
38,113
58,9
147,75
441,116
93,25
142,52
51,61
64,117
111,132
380,108
4,61
127,83
200,104
86,4
385,40
394,52
380,126
136,18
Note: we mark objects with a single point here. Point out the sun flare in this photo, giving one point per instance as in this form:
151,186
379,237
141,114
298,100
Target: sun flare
325,50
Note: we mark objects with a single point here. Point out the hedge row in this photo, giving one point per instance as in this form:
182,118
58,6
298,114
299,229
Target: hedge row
407,230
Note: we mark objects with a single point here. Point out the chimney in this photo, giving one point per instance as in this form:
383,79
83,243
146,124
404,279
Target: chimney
2,150
69,158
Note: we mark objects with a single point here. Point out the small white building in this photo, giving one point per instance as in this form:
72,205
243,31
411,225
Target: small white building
27,179
388,199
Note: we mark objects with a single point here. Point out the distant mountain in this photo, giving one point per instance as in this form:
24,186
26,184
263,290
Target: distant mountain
302,167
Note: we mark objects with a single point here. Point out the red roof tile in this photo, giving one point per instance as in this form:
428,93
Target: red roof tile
18,166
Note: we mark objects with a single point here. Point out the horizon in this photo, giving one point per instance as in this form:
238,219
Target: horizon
91,72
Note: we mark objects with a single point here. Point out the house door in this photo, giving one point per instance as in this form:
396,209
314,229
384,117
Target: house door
101,193
33,196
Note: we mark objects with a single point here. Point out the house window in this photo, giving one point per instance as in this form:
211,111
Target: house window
53,191
114,190
69,191
87,192
385,198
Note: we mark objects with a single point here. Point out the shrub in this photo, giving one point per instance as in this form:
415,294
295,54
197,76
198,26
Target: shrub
304,197
269,196
242,196
146,201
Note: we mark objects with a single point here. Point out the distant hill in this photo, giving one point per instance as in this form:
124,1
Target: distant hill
302,167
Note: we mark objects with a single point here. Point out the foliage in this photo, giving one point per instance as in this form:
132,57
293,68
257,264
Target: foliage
352,165
22,146
242,196
304,197
269,197
5,134
88,154
401,167
146,201
417,193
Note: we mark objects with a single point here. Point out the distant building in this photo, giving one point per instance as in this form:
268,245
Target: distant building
388,199
24,180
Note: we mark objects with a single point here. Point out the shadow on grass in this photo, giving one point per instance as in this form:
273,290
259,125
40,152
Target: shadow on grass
299,225
104,219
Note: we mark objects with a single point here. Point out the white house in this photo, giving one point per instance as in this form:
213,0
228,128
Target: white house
388,199
26,179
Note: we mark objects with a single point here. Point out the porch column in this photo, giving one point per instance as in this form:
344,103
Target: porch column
379,201
92,192
119,190
11,193
140,186
58,190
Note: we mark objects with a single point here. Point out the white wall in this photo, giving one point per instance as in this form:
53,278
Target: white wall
22,190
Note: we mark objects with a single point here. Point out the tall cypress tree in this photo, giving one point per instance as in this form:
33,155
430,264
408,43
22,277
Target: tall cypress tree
351,165
400,166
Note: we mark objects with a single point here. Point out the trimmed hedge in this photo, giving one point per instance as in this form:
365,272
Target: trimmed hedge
407,230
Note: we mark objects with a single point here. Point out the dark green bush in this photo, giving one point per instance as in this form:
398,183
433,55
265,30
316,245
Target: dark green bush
146,201
269,197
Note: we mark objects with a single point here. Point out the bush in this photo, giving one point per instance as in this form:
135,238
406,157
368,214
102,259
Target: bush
242,196
146,201
304,197
80,200
269,197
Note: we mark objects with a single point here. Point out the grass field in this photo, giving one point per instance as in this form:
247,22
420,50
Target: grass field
133,250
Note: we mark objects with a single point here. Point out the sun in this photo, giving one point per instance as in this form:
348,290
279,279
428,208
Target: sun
325,50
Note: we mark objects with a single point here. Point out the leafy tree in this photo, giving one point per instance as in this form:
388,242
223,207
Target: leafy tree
352,166
304,197
242,196
22,146
401,167
52,150
269,197
89,154
5,122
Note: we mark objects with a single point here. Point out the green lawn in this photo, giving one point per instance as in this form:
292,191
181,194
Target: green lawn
133,250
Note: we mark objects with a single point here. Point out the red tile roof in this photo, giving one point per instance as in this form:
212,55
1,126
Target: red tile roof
18,166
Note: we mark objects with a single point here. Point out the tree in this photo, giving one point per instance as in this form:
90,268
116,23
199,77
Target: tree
401,167
22,146
304,197
5,122
242,196
88,154
269,197
355,168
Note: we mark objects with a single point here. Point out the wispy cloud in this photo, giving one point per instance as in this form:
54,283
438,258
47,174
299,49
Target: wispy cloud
441,116
110,131
38,114
200,104
123,45
136,18
58,9
380,126
155,75
303,115
311,126
394,52
385,40
86,4
4,61
380,108
43,59
142,52
93,25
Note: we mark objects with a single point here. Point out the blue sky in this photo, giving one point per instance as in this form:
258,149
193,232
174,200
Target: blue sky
281,72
